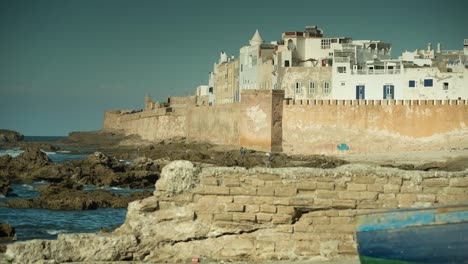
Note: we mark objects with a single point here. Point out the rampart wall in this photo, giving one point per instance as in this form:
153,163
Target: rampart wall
311,126
265,121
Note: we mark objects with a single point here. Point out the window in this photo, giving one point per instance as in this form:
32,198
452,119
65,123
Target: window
242,67
388,91
275,86
343,83
360,92
427,82
286,63
311,88
210,90
342,69
412,84
254,60
298,87
325,44
326,87
445,86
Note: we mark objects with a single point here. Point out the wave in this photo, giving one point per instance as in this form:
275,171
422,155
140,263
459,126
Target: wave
28,186
63,151
12,152
55,232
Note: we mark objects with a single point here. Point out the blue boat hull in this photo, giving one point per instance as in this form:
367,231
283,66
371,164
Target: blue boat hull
433,235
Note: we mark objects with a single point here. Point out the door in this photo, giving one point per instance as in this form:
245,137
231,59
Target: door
388,91
360,92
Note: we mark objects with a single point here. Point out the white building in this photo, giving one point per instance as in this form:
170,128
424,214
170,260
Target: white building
256,64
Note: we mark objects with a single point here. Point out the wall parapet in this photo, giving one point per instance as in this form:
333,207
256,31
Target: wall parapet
315,102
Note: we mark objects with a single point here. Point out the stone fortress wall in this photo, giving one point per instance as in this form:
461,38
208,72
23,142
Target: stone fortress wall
220,213
264,120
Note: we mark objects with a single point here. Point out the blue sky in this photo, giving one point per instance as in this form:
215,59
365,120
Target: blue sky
64,62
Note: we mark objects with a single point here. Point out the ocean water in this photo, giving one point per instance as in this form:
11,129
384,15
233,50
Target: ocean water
59,156
47,224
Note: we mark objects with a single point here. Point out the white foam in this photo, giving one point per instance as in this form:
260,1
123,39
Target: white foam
64,151
55,232
12,152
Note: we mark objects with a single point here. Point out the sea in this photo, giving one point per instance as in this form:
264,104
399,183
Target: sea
47,224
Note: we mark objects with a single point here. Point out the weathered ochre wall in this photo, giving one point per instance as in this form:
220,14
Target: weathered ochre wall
260,125
264,121
319,126
216,124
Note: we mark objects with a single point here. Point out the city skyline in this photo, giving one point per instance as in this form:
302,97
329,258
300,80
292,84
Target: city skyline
65,62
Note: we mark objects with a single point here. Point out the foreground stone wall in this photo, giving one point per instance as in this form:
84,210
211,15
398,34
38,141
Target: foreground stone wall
255,214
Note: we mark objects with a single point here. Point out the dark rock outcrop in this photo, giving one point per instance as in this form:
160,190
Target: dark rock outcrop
69,195
10,136
5,187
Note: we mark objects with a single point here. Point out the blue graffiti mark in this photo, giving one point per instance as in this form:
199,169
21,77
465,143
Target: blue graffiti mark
342,147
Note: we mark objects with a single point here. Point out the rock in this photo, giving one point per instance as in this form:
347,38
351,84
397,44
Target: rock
5,187
23,167
177,177
69,195
7,232
10,136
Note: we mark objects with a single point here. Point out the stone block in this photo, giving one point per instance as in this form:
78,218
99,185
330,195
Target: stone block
268,177
284,229
433,190
455,190
301,201
280,201
266,191
390,204
322,228
265,246
348,195
245,199
266,208
287,210
426,198
364,179
341,203
324,179
302,227
307,248
321,220
213,199
244,217
223,217
208,208
344,228
323,202
252,208
243,191
309,185
285,191
381,181
348,212
395,180
376,187
367,204
356,187
281,219
411,189
333,213
257,182
435,182
231,182
347,248
387,196
325,186
305,236
368,195
341,220
459,182
211,181
216,190
451,199
234,207
324,194
263,218
391,188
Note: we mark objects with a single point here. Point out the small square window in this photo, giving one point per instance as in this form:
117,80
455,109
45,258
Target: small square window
412,84
341,69
427,82
446,85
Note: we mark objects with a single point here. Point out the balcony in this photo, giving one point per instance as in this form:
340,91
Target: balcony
375,72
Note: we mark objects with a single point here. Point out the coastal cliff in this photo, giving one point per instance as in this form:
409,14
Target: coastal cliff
220,213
